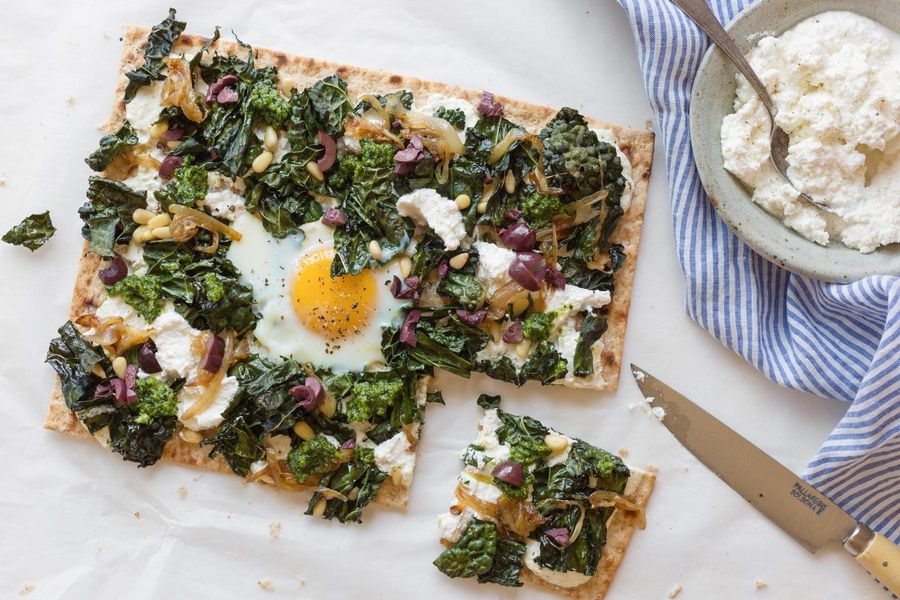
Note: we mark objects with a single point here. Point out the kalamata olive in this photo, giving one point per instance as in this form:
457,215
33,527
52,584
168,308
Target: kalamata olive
327,160
555,278
560,535
518,237
114,272
168,166
442,269
404,290
513,214
215,353
121,392
147,359
509,472
471,318
489,107
309,395
513,333
334,217
409,157
349,444
173,135
407,333
228,95
213,90
522,275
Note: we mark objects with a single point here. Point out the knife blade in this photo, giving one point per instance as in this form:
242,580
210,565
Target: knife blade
797,507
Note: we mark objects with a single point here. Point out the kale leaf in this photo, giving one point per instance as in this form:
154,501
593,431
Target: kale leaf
454,116
463,288
442,341
473,553
139,441
74,359
544,364
107,214
238,441
487,402
500,368
184,275
593,327
525,437
111,146
359,473
280,195
507,564
331,103
572,155
159,44
33,232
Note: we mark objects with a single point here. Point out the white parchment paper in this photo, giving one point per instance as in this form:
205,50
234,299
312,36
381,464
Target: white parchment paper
77,522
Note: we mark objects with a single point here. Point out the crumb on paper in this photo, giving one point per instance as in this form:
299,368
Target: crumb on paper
197,478
623,452
26,588
2,181
275,530
265,584
137,515
302,582
761,584
685,468
648,124
182,492
675,590
70,100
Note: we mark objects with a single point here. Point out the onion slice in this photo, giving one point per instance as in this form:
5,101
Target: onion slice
209,393
204,220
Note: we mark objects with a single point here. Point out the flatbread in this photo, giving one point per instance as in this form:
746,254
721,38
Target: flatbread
619,529
302,71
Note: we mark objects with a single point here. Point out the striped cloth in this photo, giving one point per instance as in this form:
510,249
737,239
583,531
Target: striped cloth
838,341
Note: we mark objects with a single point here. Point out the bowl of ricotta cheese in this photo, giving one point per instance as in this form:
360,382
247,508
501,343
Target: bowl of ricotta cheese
833,70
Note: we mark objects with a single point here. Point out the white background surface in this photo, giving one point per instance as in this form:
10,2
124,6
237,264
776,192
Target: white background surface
67,508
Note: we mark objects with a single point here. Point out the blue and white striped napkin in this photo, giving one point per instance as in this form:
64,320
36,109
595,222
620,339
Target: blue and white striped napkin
838,341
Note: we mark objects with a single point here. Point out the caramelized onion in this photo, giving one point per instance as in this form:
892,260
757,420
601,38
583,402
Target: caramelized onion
483,508
360,127
178,90
519,516
209,393
604,499
198,218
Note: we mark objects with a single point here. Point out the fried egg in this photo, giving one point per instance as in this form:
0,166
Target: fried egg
304,312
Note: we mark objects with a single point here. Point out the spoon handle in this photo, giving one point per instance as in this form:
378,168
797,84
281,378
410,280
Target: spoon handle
700,14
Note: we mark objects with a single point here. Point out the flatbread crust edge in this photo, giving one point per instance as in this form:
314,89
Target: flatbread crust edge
619,530
636,144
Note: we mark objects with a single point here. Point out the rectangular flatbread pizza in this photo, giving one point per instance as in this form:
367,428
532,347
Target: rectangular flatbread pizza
280,251
535,506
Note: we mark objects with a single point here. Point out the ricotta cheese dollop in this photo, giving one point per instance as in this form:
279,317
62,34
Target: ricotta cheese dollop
566,579
427,207
835,78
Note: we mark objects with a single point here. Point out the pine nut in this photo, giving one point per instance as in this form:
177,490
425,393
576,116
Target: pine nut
314,170
142,216
173,144
397,477
353,494
270,139
159,221
262,162
520,304
482,207
329,406
557,443
523,347
140,234
158,129
319,508
459,261
162,233
287,86
509,182
463,201
405,266
119,365
191,437
375,249
304,431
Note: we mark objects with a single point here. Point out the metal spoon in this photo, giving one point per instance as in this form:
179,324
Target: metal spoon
700,14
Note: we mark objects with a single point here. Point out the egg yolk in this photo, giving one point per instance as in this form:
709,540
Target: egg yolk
333,307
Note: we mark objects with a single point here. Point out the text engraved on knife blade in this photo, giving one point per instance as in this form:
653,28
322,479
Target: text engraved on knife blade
808,498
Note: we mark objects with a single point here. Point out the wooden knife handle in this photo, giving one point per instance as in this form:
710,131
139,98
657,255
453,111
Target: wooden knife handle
877,555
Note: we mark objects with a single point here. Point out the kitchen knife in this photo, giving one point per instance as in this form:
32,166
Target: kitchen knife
798,508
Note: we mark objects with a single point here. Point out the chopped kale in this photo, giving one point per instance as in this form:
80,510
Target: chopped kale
463,288
500,368
159,44
572,155
544,364
507,564
442,341
142,292
331,103
473,553
487,402
107,214
454,116
111,146
360,474
140,442
593,327
33,232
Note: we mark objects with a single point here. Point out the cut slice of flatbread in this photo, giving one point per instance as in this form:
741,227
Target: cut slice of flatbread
619,529
637,145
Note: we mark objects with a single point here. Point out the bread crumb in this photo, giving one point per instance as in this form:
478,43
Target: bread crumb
70,100
197,478
623,452
137,514
675,590
265,584
761,584
275,530
182,492
26,588
302,582
2,181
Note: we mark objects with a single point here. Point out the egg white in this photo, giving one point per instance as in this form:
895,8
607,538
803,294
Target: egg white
269,265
